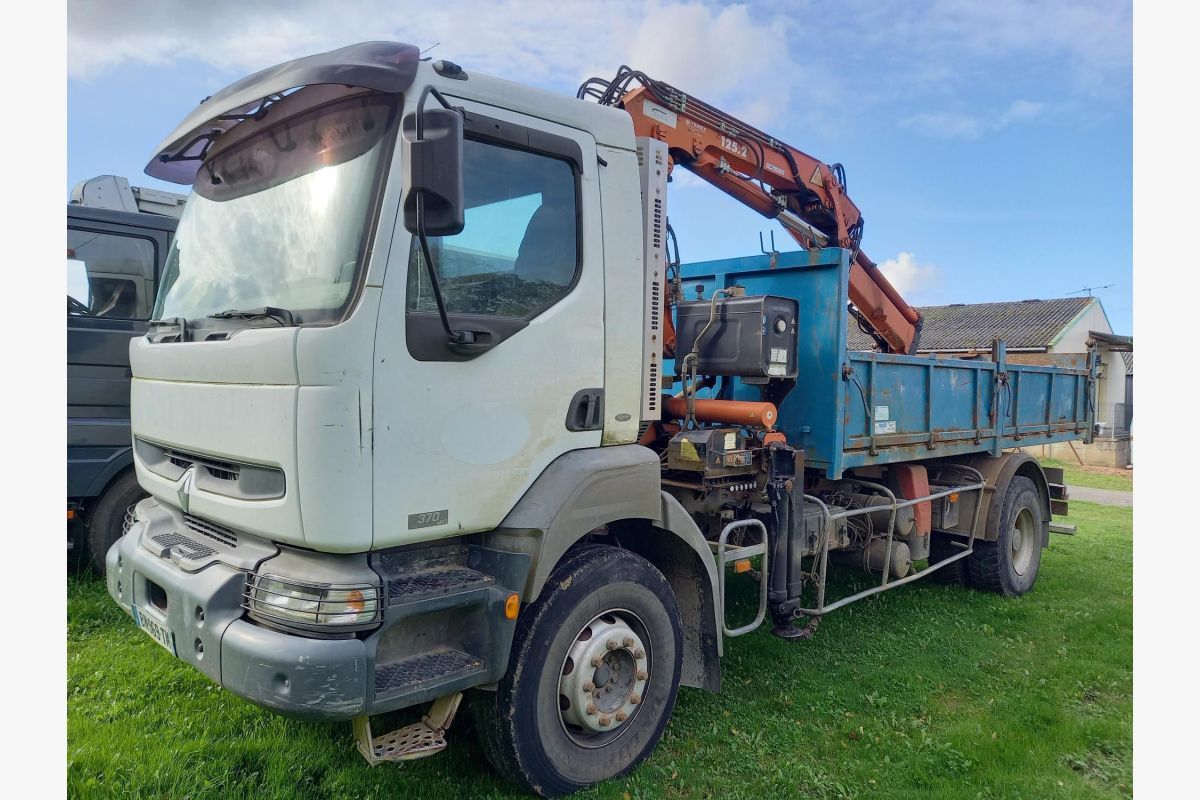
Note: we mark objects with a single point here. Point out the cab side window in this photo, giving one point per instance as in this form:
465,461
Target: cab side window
109,275
518,253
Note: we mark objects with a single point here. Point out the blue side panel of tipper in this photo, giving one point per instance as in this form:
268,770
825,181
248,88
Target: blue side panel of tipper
851,408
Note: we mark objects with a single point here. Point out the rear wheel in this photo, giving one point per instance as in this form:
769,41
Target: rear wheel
106,520
941,547
592,677
1009,565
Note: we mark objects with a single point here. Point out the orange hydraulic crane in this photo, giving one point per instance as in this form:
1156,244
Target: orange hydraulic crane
807,196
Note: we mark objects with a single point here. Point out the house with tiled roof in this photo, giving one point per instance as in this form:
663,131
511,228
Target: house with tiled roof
1040,331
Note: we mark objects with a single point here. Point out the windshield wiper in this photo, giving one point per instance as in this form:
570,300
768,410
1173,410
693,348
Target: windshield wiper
283,316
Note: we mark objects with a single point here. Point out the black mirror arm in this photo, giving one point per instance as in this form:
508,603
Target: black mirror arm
464,338
431,90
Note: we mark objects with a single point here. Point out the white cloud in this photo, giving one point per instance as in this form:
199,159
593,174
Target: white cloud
1020,111
911,278
719,52
946,124
956,125
733,56
954,42
795,64
722,53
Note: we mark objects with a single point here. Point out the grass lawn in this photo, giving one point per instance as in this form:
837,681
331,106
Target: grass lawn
926,691
1095,477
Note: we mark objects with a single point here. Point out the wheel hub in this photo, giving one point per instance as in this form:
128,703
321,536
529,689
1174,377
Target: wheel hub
1022,541
604,676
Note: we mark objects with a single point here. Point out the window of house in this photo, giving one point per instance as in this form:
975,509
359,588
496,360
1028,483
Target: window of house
518,253
109,275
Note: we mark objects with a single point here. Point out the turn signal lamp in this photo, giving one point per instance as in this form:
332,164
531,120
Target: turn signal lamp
512,605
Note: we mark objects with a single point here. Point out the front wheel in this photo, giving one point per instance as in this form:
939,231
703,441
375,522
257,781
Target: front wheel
592,677
106,521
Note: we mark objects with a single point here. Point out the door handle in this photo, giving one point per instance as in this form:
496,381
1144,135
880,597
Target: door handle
586,411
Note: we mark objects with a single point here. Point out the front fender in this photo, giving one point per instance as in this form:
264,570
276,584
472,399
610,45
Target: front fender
617,490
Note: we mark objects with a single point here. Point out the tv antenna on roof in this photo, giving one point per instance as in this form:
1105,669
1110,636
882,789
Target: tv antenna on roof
1089,289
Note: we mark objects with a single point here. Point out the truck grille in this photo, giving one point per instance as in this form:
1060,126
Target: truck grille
218,533
222,476
222,470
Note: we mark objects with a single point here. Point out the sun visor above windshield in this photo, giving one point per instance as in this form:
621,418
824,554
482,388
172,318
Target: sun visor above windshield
381,66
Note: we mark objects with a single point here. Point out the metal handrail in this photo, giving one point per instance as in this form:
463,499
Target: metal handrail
724,557
822,609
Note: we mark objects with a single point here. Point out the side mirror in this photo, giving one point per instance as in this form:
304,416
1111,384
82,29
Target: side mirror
432,169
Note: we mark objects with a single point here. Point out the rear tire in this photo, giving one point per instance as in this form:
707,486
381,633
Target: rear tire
106,520
544,728
941,547
1009,565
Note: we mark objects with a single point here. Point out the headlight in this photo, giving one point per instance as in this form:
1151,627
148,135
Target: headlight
286,600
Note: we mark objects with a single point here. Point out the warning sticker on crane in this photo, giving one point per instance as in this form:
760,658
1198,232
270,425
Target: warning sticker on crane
816,179
664,115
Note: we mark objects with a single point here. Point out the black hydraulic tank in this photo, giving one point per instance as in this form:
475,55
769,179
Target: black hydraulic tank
751,337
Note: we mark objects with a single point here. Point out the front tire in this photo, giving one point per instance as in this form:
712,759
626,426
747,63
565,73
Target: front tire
106,520
1009,565
556,725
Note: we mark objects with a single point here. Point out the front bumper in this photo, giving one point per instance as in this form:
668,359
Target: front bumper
427,645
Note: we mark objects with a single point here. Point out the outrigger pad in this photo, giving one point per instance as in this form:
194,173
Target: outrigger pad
418,740
787,629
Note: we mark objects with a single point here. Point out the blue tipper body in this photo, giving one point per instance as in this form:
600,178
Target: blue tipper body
852,408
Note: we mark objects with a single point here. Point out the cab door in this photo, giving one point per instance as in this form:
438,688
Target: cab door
112,271
460,432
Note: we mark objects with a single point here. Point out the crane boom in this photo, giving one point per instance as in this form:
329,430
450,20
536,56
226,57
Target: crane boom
807,196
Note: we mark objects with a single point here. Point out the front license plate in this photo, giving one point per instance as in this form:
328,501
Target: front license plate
157,628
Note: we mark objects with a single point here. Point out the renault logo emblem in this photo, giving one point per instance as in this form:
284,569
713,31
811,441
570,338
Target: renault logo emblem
183,488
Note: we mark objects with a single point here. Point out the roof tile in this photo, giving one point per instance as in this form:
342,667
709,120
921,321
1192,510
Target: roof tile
1023,323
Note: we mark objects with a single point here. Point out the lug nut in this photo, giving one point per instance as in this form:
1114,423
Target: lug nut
635,698
591,709
612,644
589,687
639,654
622,716
597,661
628,642
641,675
605,722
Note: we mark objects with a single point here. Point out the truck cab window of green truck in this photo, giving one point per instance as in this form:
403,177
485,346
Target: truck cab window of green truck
279,218
518,252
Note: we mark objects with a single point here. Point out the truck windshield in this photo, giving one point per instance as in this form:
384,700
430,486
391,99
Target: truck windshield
279,218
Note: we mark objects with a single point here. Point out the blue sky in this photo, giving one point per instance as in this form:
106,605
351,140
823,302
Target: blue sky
988,145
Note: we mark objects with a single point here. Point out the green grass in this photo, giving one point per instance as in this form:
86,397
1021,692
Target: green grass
1082,476
926,691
